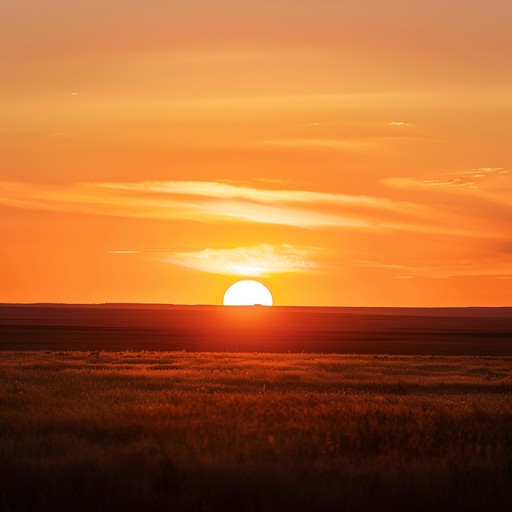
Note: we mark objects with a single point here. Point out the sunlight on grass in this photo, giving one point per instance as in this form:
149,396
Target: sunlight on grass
183,430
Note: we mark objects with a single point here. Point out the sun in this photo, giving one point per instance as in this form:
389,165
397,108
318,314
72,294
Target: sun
247,293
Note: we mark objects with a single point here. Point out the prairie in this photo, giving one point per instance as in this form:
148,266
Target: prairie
226,431
411,331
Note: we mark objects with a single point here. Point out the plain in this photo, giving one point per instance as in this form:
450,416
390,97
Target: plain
140,430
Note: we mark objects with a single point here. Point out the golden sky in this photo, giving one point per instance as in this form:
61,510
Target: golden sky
353,152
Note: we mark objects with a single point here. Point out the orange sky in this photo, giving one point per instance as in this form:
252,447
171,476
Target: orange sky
342,153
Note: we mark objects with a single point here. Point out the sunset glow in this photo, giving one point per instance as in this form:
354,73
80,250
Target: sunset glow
247,293
347,153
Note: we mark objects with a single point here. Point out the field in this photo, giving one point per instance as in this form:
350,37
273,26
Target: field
412,331
210,431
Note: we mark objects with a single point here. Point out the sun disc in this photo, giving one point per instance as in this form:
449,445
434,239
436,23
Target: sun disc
247,293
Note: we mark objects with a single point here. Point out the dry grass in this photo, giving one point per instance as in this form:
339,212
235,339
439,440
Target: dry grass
181,431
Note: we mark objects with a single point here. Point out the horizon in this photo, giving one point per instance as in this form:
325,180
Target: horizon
273,306
407,311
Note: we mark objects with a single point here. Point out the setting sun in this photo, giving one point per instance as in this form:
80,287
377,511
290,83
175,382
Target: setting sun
247,293
171,168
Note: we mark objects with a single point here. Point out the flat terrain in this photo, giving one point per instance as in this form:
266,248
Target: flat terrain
442,331
177,431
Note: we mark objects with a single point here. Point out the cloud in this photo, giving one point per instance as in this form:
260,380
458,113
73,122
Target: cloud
450,223
488,215
398,123
498,266
477,202
474,178
256,261
223,190
207,201
267,214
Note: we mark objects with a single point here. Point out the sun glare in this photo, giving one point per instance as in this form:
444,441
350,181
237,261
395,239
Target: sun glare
247,293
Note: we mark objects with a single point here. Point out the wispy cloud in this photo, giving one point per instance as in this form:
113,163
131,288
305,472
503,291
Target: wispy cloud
256,261
207,201
498,266
222,190
281,215
474,178
477,201
451,222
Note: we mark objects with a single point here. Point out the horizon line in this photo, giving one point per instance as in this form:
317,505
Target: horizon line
171,304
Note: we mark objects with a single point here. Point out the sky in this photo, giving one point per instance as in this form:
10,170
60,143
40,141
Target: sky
342,152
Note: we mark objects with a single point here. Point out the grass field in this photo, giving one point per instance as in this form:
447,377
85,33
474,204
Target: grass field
180,431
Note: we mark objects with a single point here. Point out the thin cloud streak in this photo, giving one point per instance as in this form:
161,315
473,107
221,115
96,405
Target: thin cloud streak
496,267
478,178
206,201
477,201
262,213
256,261
94,199
222,190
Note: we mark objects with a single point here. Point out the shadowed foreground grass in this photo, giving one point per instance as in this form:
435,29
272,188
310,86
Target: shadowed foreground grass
180,431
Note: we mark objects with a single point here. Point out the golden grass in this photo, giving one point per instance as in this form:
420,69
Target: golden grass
247,432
